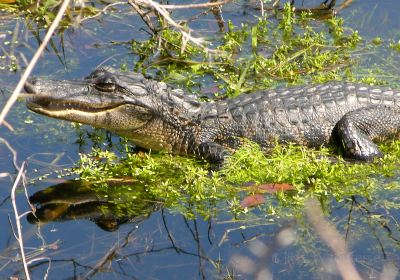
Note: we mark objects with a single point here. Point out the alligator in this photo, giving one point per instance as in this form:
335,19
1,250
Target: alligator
158,117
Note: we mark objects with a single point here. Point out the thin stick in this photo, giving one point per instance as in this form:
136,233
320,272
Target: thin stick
185,31
262,8
17,220
14,153
195,6
12,227
145,16
345,4
48,268
103,11
333,239
8,126
29,68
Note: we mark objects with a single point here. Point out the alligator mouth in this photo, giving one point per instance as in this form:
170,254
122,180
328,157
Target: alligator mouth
45,103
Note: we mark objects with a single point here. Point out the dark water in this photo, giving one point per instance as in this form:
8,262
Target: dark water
159,244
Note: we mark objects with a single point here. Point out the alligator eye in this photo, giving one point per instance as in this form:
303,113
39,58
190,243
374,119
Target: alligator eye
106,87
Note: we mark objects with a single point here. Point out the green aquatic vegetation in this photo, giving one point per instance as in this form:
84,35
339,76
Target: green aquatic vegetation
234,38
256,55
395,46
180,183
377,41
187,185
43,12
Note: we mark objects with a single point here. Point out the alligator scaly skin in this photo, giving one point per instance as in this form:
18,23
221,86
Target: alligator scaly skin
158,117
333,113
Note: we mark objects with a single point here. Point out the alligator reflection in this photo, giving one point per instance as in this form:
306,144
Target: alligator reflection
107,207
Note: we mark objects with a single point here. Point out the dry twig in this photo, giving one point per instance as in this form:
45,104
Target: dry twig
17,220
103,11
196,6
8,125
13,152
163,12
344,5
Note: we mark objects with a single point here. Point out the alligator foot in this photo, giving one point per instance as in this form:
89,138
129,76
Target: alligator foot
357,129
211,152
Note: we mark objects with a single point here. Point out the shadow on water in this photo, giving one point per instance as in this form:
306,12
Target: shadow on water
75,200
152,243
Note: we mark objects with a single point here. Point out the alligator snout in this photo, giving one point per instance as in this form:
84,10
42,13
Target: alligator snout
30,85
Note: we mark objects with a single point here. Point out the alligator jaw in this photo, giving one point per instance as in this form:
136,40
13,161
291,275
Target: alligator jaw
47,104
52,107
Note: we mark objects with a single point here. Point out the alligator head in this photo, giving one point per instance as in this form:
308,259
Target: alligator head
127,103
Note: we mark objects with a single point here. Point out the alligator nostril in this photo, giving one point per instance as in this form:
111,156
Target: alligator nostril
31,85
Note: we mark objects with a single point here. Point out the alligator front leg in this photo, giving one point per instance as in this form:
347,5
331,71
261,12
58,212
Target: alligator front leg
211,151
357,129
